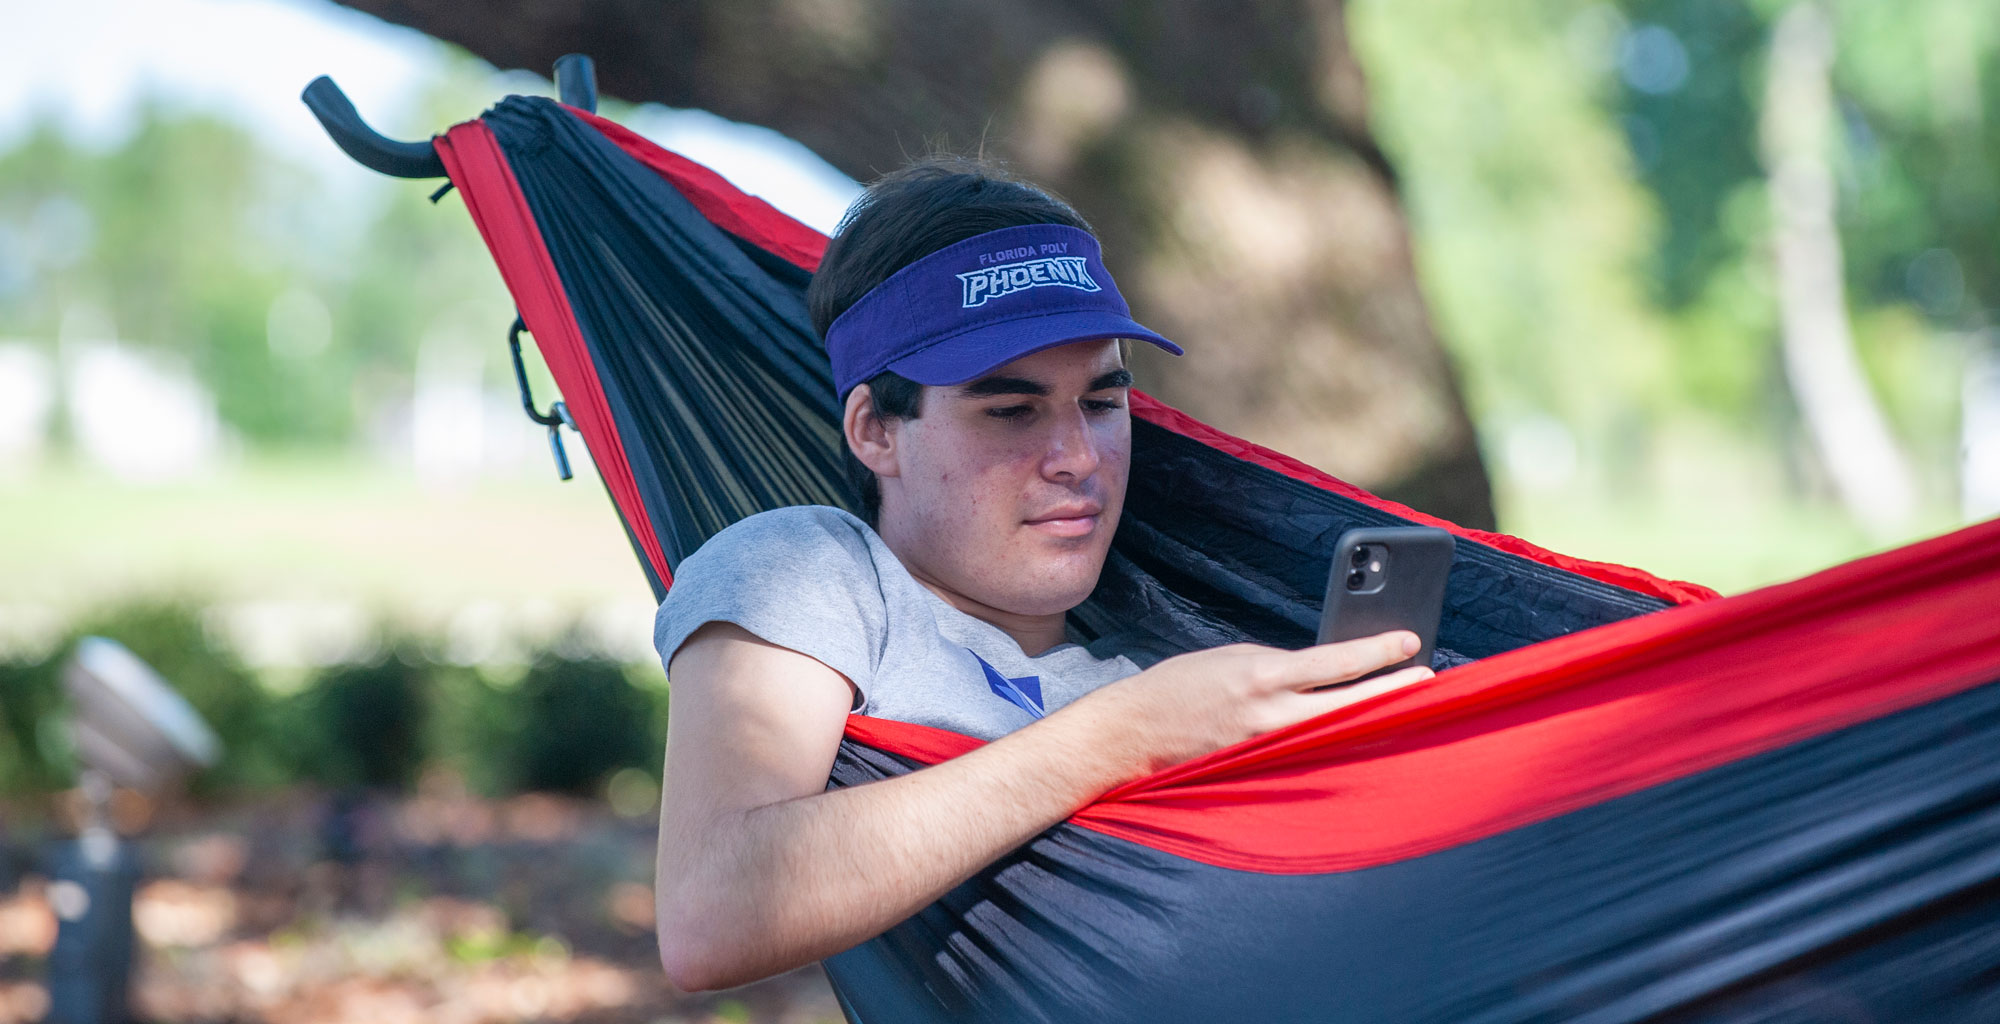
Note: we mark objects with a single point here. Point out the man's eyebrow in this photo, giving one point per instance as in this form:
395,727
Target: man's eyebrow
1119,378
987,387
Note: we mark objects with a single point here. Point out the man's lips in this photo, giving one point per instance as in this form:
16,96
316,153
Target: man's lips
1071,521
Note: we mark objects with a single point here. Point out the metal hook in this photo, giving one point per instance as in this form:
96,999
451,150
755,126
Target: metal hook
576,81
367,146
558,414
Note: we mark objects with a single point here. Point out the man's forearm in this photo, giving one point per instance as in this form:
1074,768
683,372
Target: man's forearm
781,885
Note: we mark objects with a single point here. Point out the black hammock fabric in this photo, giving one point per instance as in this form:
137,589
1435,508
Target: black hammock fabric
1625,800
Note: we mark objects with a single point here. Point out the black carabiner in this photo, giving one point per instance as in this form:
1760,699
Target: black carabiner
558,414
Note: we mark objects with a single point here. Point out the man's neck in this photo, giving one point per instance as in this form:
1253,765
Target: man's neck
1035,633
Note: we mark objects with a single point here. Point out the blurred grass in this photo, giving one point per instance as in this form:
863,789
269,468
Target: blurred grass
1696,507
320,528
1705,509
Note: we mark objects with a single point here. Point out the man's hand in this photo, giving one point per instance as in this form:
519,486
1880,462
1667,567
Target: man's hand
761,869
1200,702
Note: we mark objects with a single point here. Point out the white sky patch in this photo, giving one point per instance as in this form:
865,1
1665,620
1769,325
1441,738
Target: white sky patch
140,414
90,62
758,160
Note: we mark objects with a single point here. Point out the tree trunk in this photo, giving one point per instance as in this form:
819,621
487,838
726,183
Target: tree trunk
1221,149
1847,426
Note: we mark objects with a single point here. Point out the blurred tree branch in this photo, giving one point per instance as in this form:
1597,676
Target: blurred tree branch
1821,362
1222,150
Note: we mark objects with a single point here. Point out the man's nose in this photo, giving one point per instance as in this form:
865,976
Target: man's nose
1072,450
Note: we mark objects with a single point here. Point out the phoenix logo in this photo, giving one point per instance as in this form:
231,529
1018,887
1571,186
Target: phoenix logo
988,283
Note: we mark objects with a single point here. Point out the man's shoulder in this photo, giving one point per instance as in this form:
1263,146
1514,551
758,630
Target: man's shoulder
813,532
802,577
801,556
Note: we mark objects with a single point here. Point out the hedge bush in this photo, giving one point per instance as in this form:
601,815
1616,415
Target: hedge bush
581,720
565,724
362,724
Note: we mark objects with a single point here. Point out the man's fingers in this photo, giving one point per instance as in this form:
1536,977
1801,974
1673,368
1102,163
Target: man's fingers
1341,696
1337,663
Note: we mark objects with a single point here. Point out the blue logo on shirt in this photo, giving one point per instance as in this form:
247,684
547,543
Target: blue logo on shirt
1024,692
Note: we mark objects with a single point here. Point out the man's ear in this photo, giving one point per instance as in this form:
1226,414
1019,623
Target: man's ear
868,435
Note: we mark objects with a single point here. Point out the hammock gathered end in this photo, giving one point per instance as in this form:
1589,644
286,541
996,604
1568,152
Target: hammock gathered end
1631,800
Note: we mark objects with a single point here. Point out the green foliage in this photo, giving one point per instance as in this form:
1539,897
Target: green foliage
1532,233
565,724
481,947
1593,231
1920,207
303,317
1695,144
475,724
581,719
566,721
170,636
363,724
33,755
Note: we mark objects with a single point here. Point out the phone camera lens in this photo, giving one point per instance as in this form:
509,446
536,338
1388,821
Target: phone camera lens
1360,556
1355,579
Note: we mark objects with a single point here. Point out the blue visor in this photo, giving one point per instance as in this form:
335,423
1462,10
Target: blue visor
993,298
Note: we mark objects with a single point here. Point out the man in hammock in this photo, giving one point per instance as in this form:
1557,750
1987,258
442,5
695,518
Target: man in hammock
977,342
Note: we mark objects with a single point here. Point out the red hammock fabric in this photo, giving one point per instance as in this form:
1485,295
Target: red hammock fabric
1439,764
473,159
1543,730
1704,811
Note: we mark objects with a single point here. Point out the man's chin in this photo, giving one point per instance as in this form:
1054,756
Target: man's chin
1061,584
1039,605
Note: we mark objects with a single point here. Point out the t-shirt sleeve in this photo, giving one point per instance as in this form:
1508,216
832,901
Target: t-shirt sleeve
801,578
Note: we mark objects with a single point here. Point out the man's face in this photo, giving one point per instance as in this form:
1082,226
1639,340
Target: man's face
1006,489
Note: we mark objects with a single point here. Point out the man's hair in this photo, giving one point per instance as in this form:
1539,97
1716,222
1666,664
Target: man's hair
900,219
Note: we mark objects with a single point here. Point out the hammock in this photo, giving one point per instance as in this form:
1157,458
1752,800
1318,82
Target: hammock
1631,801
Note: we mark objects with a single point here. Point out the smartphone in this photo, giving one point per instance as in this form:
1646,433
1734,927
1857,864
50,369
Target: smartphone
1386,578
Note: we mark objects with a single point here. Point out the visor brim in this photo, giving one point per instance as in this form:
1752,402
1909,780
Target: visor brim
964,357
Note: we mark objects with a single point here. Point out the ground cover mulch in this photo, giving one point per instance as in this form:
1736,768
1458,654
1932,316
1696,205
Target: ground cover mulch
311,908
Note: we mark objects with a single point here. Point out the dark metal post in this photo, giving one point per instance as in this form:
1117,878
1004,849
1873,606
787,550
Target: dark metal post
92,879
128,728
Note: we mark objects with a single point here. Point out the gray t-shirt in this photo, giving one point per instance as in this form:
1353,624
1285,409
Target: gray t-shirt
819,581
